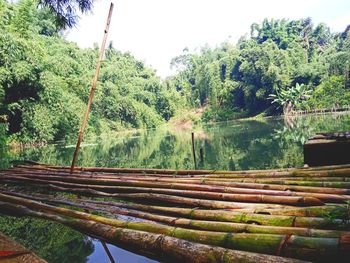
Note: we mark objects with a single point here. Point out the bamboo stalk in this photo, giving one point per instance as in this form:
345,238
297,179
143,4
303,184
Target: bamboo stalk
282,229
111,191
205,225
136,186
319,211
320,171
274,217
28,170
314,168
213,204
337,222
157,246
231,227
261,243
92,90
244,183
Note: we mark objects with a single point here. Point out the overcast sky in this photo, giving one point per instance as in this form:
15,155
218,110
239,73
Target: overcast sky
155,31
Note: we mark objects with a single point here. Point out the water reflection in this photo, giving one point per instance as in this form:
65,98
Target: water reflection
253,144
119,255
53,242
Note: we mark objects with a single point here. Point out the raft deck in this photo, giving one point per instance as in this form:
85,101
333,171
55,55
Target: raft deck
276,215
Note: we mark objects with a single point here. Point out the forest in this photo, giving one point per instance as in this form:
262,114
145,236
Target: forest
45,82
283,66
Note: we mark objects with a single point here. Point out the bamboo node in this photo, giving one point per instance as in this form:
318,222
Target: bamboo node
283,245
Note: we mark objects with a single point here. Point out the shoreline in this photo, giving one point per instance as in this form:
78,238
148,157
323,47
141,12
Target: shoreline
176,124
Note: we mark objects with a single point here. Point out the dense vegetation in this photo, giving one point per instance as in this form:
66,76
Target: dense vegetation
44,80
295,64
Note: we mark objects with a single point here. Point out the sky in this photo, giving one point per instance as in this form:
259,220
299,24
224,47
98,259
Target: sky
155,31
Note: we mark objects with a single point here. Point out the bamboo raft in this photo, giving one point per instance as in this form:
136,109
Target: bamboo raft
276,215
12,252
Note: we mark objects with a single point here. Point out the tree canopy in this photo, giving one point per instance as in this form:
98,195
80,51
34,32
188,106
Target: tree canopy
237,80
44,79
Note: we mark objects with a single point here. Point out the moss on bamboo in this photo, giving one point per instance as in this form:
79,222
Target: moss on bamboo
262,243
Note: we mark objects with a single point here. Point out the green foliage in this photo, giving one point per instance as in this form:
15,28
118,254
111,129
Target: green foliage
4,151
45,82
236,79
221,114
291,98
66,11
331,93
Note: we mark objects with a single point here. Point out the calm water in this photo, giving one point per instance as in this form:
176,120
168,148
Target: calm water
248,144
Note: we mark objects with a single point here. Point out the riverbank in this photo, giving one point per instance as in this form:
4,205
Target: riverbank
184,120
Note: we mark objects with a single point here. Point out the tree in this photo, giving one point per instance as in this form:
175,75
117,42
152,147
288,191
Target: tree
66,10
291,98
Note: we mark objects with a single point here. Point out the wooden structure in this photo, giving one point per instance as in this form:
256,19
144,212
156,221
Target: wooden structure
327,149
12,252
278,215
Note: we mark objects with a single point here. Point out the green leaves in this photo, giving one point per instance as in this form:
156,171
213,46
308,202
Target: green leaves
278,55
291,98
331,93
45,81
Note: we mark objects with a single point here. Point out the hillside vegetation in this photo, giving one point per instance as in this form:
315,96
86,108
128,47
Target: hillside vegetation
45,81
284,65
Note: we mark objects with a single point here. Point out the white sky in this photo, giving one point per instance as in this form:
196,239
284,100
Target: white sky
155,31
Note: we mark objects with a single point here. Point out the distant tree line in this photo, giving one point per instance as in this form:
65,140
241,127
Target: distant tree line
293,63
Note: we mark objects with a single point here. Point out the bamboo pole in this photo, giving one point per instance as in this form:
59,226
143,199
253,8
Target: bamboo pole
194,151
324,187
338,221
117,191
316,168
191,176
230,227
157,246
138,185
261,243
310,217
277,172
218,226
92,90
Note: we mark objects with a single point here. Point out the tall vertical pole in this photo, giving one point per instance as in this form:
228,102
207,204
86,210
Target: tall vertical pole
194,151
92,90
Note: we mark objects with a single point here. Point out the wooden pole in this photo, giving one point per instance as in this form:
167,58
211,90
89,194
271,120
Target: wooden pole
92,90
194,152
109,254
